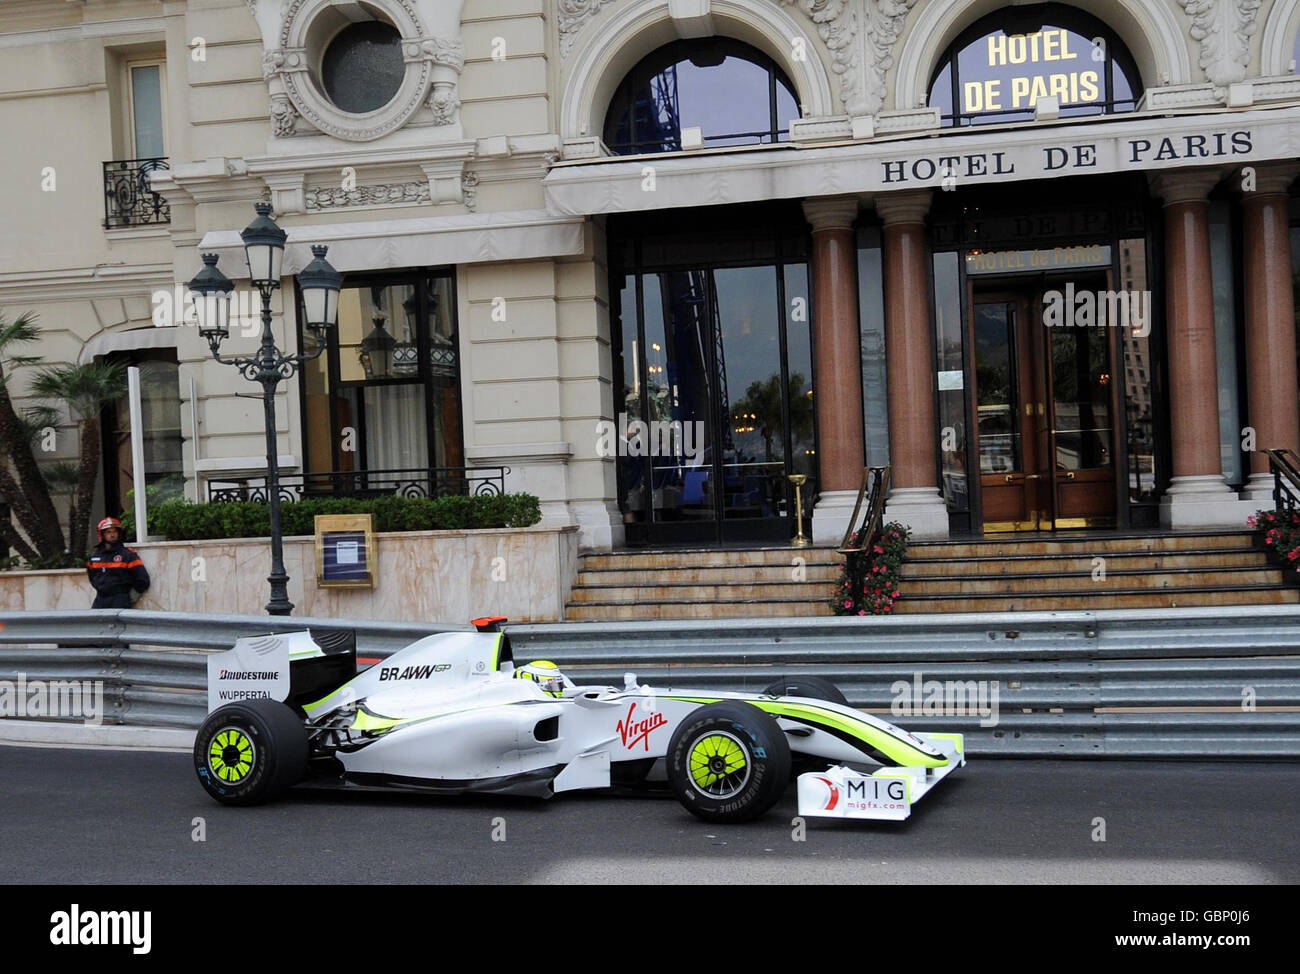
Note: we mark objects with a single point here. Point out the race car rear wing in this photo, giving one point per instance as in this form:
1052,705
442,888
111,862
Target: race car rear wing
295,667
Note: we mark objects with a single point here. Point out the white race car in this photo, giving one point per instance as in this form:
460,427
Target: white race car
451,713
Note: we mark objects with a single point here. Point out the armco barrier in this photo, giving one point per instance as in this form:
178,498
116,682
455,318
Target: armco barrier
1218,682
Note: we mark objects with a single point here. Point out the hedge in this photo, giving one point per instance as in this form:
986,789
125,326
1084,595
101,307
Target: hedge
181,520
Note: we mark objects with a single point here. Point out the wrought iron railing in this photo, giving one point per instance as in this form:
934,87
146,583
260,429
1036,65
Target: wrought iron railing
409,482
875,485
128,200
1285,467
858,541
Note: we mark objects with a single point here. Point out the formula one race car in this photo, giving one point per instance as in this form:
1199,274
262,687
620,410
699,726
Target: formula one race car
451,713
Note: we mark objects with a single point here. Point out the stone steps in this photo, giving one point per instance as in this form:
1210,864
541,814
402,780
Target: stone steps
984,575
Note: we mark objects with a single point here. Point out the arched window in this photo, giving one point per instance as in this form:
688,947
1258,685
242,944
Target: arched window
997,69
734,93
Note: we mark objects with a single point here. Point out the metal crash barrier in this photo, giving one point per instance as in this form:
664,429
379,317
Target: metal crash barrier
1198,682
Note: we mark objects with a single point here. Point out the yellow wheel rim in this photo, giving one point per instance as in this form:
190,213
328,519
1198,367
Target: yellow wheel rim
719,765
231,755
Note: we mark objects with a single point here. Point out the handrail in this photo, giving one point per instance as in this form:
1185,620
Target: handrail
1285,466
877,480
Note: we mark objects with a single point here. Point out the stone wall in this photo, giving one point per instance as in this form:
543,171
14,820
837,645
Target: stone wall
424,576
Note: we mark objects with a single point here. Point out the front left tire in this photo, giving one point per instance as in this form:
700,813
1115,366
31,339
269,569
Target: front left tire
728,762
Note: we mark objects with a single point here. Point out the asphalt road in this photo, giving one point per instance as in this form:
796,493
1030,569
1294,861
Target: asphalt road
90,816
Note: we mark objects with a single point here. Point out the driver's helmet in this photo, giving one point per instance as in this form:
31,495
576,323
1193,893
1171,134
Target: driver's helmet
109,522
545,674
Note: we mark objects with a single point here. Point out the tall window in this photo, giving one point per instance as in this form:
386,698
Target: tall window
999,68
734,93
160,408
146,104
385,396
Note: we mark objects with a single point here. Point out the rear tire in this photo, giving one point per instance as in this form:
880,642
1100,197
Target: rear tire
250,752
807,686
728,762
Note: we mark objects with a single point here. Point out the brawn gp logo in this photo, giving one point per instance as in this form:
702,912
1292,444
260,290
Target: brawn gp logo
75,928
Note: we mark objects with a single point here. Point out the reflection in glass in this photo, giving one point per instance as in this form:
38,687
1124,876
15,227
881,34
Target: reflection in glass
734,93
679,392
999,417
1139,380
1081,392
749,370
798,345
1000,67
952,394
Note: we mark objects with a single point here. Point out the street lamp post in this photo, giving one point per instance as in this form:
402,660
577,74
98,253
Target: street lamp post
320,283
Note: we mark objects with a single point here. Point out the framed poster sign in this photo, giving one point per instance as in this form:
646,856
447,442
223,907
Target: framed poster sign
345,551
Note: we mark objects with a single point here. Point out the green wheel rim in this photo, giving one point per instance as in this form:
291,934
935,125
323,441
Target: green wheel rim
719,765
231,755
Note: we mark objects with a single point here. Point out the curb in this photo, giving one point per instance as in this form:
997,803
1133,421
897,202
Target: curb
117,736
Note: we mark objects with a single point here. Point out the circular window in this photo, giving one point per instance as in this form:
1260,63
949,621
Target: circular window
363,68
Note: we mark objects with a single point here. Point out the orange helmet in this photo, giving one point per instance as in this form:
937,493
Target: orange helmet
109,522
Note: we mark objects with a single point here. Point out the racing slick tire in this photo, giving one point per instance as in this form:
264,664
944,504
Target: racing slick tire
250,752
807,686
728,762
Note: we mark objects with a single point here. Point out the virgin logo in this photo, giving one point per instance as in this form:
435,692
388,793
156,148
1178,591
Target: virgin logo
636,732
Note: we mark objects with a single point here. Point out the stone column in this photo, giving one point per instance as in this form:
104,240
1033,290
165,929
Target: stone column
1197,496
914,498
837,364
1270,324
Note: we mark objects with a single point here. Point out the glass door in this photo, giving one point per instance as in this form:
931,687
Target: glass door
1009,412
711,410
1044,402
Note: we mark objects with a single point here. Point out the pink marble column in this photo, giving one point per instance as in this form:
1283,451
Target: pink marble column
1197,495
1270,322
915,499
837,363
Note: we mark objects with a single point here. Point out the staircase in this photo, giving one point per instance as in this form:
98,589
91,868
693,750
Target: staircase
992,575
710,583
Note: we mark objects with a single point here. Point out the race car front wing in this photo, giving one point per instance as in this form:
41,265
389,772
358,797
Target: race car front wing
888,794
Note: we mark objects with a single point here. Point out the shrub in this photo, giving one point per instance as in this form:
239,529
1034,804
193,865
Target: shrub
880,580
1281,533
178,519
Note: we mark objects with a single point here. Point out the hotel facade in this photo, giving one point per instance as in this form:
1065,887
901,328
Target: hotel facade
648,259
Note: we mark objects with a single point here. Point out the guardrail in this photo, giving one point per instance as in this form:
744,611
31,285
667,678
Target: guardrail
1198,682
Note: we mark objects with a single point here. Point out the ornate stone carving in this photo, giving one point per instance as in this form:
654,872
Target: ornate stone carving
837,26
1224,29
442,50
469,189
443,103
284,119
333,197
574,14
885,25
431,49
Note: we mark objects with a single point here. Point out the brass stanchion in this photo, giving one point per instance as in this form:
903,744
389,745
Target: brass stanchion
800,539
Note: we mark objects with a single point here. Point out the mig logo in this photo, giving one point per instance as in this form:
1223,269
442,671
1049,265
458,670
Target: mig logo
636,732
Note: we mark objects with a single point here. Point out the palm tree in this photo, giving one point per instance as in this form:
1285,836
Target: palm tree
86,389
21,482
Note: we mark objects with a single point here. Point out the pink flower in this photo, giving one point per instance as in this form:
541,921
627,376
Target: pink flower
862,612
1250,521
848,603
895,593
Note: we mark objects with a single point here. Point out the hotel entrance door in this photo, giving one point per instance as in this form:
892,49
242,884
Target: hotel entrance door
1044,406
